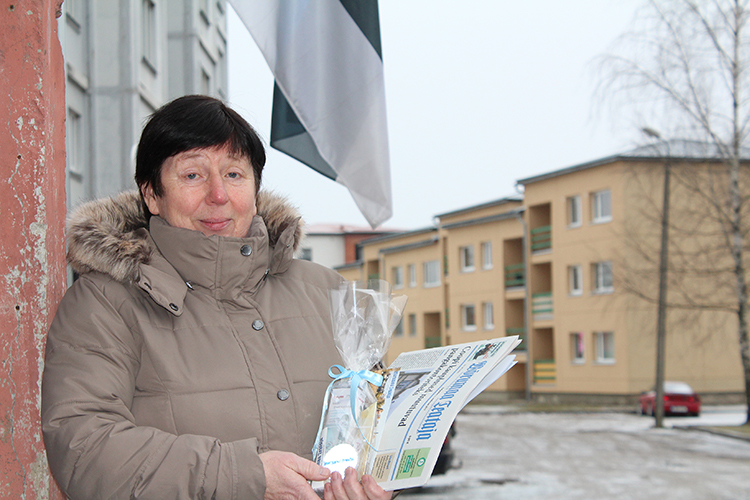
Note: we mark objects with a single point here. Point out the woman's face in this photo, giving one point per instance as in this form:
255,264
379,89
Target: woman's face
208,190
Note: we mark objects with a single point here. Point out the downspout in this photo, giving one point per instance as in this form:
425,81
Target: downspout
526,302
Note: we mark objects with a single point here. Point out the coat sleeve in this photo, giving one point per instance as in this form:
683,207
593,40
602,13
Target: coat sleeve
94,447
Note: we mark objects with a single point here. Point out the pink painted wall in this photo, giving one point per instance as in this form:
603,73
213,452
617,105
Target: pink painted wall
32,236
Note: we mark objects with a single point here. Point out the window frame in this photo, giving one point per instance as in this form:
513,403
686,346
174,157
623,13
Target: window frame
412,272
597,207
575,276
487,262
466,256
603,357
488,315
149,33
397,273
465,316
599,287
426,269
574,211
577,348
399,330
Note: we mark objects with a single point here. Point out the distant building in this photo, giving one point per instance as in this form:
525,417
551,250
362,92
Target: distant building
334,245
569,267
123,60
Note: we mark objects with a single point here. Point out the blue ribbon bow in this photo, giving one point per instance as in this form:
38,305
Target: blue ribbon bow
356,377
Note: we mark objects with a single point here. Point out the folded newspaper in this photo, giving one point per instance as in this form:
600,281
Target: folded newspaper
421,394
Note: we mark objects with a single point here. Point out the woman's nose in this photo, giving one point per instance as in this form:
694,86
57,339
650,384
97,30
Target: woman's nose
217,192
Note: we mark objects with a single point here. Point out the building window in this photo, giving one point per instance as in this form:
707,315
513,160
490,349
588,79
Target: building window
399,331
397,273
575,275
203,10
148,33
468,318
603,277
412,325
76,168
577,352
305,254
601,206
467,258
605,347
412,275
431,273
489,316
205,82
73,9
487,255
574,211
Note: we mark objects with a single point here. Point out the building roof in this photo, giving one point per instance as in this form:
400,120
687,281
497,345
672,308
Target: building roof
483,220
342,229
386,237
488,204
677,149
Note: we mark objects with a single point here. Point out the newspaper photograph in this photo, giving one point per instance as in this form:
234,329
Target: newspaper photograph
431,388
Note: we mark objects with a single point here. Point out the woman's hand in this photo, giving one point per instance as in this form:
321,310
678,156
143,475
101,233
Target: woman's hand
287,475
351,489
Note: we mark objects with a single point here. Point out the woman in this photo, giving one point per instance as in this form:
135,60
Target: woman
190,358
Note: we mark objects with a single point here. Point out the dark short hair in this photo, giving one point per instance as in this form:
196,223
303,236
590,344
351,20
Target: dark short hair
194,122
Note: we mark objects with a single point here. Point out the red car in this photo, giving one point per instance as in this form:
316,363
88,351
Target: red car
679,399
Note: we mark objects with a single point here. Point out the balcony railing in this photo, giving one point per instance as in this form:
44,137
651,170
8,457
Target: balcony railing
515,275
544,371
521,332
432,342
541,238
542,306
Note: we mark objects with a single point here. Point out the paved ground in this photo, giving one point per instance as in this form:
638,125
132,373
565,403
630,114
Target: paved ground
517,455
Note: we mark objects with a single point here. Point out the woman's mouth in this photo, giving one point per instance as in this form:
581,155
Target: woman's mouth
216,225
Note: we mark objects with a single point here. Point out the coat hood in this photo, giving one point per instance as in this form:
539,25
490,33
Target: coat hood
110,235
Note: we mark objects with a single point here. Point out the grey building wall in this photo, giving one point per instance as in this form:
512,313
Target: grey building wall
124,59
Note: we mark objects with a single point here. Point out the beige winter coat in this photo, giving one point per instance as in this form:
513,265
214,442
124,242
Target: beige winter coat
176,358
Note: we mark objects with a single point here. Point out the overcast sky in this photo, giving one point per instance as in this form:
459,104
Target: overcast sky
479,93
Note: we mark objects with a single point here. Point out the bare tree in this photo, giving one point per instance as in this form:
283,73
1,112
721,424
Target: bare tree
684,69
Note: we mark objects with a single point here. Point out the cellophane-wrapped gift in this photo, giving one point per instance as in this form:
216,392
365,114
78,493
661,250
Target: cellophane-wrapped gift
364,316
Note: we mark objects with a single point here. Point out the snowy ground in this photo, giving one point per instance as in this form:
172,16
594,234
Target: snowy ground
516,455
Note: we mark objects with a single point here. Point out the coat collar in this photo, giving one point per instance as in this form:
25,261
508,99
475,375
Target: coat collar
110,236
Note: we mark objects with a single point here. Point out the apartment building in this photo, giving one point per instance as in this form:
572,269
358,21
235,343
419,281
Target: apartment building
123,60
333,245
450,273
572,268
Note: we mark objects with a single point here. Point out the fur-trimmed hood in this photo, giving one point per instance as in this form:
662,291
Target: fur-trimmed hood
110,235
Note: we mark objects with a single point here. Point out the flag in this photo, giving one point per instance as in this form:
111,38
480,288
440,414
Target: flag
329,95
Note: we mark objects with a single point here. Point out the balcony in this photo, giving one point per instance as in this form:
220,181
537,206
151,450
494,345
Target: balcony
541,239
544,371
521,332
541,306
430,342
515,276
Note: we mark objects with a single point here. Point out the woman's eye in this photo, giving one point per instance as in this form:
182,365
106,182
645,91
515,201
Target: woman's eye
192,176
233,175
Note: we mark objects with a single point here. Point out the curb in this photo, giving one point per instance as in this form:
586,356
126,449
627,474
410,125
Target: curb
717,432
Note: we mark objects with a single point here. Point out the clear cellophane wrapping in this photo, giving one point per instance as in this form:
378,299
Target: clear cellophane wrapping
364,316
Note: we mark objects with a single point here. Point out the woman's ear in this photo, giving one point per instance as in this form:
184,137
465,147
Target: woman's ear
150,199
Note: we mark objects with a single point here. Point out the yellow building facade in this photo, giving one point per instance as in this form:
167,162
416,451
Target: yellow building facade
570,267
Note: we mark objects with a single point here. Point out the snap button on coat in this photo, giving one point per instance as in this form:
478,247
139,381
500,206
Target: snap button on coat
283,394
257,325
173,306
246,250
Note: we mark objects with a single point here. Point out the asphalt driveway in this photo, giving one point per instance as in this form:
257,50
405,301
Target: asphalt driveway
508,454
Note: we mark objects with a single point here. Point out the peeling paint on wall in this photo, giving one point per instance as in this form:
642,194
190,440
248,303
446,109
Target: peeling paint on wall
32,263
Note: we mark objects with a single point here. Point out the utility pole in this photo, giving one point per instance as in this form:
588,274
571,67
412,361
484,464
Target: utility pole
661,316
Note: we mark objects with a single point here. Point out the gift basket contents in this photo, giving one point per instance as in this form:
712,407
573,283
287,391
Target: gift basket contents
364,316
